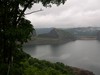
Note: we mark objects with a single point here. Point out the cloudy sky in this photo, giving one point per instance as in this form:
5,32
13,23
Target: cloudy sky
72,14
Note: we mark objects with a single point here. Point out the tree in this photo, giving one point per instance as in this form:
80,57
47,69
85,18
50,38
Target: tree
14,28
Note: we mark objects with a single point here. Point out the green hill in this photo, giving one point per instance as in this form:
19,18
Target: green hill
24,64
58,34
55,36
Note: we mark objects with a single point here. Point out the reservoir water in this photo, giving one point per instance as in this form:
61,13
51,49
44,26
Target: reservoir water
83,54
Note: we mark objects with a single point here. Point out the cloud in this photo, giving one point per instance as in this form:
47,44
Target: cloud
72,14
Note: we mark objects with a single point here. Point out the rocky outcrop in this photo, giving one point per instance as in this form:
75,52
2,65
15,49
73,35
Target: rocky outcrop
79,71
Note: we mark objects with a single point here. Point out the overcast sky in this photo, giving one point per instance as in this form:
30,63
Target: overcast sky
72,14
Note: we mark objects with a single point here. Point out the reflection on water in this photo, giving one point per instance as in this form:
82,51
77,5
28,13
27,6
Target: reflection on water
81,53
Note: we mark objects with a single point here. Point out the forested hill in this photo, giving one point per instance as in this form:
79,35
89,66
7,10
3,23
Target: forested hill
24,64
54,36
83,31
78,31
61,35
58,34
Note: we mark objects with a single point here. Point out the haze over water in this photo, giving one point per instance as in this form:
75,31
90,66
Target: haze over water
80,53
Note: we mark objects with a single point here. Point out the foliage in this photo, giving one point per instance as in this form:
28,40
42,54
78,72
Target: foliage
27,65
15,29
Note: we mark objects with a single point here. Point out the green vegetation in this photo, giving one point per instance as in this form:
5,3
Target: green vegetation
14,31
24,64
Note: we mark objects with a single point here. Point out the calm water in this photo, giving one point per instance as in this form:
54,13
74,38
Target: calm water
81,53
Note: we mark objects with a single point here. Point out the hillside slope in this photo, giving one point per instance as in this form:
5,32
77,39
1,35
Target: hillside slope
55,36
24,64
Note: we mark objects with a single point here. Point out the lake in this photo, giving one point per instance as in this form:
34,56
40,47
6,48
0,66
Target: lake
80,53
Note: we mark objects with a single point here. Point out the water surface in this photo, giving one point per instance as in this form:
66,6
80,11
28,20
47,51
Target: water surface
80,53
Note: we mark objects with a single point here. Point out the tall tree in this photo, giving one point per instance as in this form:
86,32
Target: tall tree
14,28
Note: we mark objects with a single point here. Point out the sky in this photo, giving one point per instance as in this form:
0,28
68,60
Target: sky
74,13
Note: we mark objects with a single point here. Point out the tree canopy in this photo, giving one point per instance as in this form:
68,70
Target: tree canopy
14,28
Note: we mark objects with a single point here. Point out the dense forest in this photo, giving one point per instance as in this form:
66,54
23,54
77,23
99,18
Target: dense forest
24,64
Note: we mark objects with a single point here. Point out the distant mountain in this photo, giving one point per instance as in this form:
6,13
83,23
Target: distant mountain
52,36
58,34
84,31
79,31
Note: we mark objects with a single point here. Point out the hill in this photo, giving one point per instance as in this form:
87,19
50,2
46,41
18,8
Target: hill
24,64
83,31
55,36
77,32
58,34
